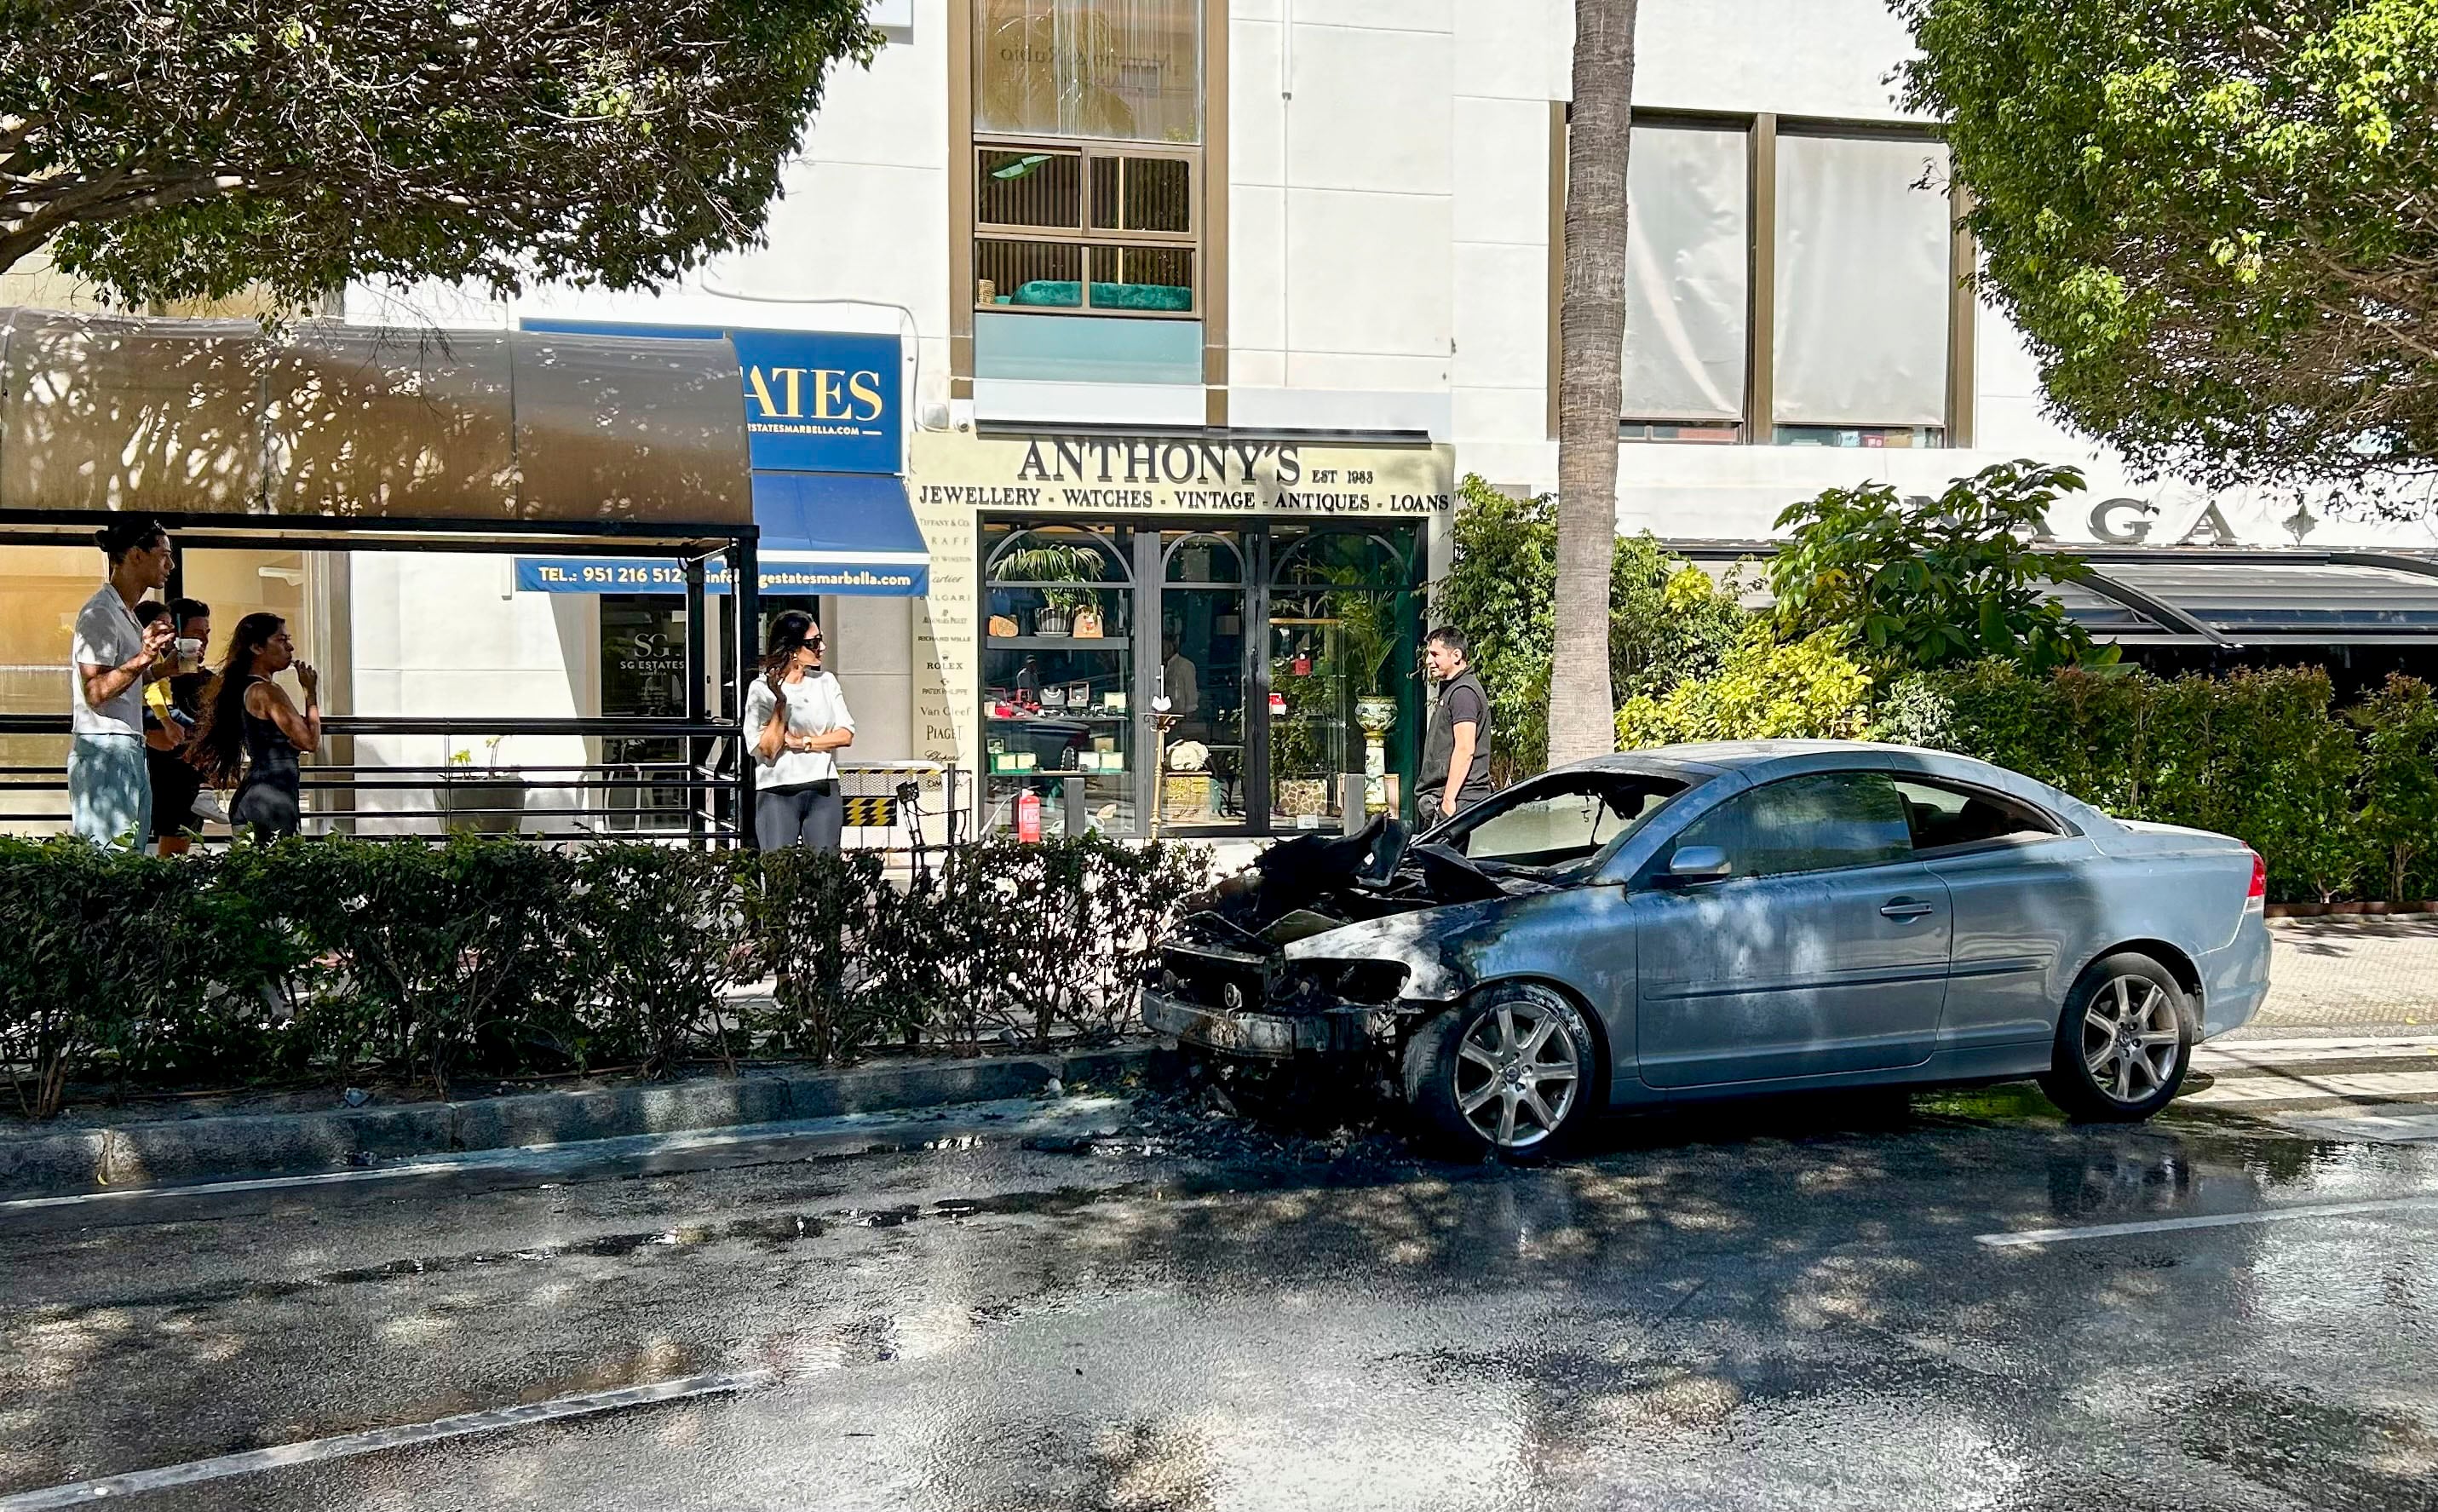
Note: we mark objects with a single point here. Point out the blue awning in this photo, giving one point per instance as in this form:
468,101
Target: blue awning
840,532
821,532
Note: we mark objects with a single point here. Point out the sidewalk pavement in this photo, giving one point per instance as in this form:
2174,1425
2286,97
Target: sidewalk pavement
2345,974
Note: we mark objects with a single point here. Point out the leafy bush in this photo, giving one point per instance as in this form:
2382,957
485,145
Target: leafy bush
321,958
1667,621
1765,690
1927,584
2257,754
2399,783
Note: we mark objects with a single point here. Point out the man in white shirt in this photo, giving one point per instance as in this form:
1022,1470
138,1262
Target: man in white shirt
110,788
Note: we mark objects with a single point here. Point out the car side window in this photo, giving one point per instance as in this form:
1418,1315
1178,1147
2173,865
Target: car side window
1818,822
1946,816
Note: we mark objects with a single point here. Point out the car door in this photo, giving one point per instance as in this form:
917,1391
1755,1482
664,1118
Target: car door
1824,951
2018,880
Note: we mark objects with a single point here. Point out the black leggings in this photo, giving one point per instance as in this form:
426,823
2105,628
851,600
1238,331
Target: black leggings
810,814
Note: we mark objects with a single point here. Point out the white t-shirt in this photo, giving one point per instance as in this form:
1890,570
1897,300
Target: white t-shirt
106,636
815,707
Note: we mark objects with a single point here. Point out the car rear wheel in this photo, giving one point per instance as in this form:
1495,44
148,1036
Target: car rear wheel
2125,1042
1510,1071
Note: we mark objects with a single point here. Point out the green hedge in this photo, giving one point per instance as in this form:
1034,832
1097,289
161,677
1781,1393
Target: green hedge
2339,801
330,958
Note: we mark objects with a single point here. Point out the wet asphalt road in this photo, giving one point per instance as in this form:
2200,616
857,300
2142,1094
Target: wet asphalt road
1782,1304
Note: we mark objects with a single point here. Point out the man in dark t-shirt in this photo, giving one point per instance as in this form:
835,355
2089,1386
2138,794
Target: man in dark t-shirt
1456,751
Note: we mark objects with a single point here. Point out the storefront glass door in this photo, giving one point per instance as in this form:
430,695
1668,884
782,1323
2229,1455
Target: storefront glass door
1202,674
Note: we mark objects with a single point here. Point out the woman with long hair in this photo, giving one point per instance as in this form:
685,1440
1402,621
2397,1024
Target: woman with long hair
795,717
250,725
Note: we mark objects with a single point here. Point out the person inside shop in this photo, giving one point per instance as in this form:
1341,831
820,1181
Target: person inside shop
172,710
112,656
1456,752
796,719
1180,680
252,732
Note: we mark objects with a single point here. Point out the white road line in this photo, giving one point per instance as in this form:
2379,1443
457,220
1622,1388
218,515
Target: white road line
2024,1238
373,1441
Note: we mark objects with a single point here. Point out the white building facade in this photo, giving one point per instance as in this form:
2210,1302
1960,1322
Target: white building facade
1224,296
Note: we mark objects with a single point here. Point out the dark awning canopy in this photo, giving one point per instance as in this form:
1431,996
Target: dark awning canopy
330,424
2227,596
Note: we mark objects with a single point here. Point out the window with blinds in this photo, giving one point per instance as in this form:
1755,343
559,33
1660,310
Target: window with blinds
1110,229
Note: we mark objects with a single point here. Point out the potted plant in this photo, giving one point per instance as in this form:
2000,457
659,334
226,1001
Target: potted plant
481,801
1052,565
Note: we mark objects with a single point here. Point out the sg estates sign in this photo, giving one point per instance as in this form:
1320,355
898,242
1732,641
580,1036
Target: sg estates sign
815,401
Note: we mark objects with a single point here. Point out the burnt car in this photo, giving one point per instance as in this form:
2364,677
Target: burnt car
1710,921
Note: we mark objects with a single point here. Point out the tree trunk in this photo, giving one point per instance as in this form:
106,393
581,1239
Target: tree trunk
1591,396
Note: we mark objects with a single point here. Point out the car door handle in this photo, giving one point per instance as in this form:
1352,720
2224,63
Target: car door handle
1906,908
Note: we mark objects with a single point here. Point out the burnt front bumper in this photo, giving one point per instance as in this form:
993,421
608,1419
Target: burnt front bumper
1265,1035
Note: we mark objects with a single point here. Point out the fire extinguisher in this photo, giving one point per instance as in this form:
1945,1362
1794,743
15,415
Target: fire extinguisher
1028,817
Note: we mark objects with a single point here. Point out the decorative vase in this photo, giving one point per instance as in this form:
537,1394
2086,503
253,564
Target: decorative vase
1050,622
1376,713
1088,624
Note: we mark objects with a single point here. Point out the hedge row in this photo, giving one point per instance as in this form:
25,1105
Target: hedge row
2340,801
333,957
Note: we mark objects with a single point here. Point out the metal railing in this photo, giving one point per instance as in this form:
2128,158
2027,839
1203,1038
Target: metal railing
692,798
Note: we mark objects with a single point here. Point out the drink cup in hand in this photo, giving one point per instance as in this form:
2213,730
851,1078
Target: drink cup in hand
190,653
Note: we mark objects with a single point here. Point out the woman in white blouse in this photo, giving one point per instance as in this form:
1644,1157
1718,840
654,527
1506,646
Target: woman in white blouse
794,719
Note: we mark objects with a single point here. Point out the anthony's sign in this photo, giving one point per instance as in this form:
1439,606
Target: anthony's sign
815,401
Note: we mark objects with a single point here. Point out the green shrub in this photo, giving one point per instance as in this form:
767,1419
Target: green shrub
658,933
1764,691
2257,754
2398,816
1932,583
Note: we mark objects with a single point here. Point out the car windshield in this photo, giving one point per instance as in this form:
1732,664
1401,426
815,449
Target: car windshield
1560,824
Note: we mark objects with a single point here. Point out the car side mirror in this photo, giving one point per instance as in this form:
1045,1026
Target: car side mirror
1693,865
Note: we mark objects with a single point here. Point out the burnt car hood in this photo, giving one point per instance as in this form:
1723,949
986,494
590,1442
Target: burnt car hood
1357,897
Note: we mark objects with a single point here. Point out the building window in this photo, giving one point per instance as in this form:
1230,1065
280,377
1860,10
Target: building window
1111,229
1862,291
1688,282
1124,70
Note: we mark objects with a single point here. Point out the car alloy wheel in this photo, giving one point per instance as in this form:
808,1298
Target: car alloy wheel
1517,1070
2124,1042
2133,1036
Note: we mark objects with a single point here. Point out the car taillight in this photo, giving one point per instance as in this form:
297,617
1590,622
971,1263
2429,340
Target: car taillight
2258,895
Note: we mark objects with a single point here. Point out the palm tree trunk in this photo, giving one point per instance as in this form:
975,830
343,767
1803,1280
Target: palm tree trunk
1591,383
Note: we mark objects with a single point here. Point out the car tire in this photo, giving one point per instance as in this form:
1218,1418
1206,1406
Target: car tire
2124,1042
1512,1071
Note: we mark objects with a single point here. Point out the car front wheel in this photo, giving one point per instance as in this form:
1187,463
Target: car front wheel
2124,1043
1511,1071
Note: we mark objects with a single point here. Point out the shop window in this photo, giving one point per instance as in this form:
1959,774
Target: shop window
1862,289
1688,282
1344,694
1059,685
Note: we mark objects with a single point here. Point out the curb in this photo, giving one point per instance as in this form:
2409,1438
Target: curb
236,1146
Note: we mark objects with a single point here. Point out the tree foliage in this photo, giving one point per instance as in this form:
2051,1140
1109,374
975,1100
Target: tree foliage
1667,621
190,149
2216,220
1920,585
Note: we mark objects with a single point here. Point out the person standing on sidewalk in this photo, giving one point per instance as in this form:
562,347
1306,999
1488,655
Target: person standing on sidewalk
795,717
173,709
1455,750
250,720
112,657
